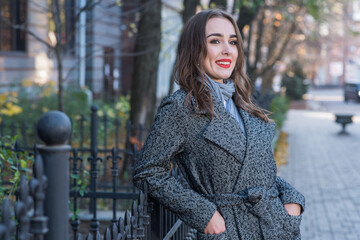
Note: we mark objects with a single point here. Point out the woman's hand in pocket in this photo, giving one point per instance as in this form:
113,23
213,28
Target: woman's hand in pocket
216,224
293,209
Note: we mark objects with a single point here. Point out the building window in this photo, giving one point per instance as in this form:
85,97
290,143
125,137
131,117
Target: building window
13,11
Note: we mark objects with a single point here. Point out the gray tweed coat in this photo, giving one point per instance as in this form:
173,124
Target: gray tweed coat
226,171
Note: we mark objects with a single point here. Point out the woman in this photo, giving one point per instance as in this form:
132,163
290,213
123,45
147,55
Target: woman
221,142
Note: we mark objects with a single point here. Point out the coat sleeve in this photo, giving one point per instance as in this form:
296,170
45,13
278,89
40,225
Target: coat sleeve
166,139
288,194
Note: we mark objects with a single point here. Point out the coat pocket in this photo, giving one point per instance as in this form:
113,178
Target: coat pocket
220,236
290,224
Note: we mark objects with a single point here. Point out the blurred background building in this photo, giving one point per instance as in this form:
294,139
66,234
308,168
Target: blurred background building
100,44
338,60
92,42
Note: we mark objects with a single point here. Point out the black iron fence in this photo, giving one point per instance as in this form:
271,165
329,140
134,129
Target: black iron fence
106,155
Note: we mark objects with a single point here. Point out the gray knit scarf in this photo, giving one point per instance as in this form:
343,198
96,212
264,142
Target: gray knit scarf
224,92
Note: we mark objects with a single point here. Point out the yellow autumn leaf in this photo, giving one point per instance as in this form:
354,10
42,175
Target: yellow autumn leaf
281,152
77,117
3,111
52,83
10,109
2,98
23,163
15,110
27,82
9,105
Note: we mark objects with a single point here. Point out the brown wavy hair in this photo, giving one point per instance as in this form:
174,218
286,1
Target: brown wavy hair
188,67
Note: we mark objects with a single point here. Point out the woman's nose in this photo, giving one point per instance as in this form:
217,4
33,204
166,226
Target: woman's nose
225,49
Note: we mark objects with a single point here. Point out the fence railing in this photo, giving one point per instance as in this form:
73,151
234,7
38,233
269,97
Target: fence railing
146,220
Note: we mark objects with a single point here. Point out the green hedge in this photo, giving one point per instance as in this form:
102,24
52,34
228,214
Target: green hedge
294,80
278,108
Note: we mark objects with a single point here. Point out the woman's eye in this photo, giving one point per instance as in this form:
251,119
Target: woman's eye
214,41
233,42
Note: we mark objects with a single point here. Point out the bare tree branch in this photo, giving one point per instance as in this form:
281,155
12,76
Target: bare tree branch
260,29
94,54
276,57
23,27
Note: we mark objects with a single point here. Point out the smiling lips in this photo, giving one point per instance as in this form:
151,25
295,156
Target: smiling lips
224,63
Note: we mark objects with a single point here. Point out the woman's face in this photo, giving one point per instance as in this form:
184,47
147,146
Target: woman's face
221,49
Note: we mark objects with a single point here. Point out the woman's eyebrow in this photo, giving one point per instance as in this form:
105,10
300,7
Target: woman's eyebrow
220,35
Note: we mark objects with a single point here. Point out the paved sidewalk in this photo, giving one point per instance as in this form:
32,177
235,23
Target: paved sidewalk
325,167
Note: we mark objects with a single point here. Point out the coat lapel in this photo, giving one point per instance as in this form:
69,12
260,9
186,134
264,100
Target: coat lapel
257,129
224,131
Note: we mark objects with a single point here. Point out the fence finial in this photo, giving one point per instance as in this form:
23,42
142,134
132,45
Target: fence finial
54,128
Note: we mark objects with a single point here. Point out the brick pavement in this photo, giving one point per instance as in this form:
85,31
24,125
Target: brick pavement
325,167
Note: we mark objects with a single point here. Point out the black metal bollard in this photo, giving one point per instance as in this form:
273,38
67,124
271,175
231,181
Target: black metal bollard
54,129
343,119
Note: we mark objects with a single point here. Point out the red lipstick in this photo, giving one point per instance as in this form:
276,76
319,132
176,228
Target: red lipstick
224,63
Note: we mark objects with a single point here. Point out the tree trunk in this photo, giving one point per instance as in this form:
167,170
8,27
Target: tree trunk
143,90
128,41
276,50
55,10
252,68
269,73
267,81
61,106
189,11
246,16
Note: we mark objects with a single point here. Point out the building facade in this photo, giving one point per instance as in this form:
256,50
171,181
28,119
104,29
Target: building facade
339,59
99,49
91,44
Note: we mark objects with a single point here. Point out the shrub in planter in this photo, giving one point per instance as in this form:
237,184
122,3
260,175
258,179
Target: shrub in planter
294,80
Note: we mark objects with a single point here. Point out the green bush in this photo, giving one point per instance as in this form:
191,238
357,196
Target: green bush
31,100
279,106
13,165
26,104
294,81
75,102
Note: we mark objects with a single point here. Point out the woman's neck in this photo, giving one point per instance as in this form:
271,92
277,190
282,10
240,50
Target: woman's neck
216,80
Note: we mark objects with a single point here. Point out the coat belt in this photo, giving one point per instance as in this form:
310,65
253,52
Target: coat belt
251,196
257,201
